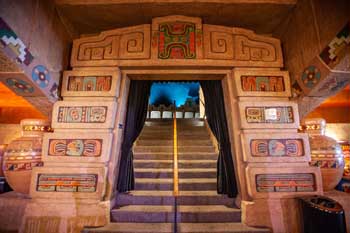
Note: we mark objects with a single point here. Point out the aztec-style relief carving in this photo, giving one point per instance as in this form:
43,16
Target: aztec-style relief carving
239,44
91,83
178,37
269,114
262,83
298,182
275,147
124,43
67,183
96,114
279,114
279,182
82,114
75,147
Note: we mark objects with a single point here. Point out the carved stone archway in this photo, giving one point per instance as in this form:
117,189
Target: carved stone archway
177,46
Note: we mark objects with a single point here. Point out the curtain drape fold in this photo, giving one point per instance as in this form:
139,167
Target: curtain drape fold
135,118
216,117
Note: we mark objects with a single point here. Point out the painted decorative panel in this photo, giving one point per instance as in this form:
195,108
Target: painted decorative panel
269,114
20,84
266,181
276,114
262,83
177,40
9,39
84,183
298,182
336,49
124,43
77,146
176,37
84,114
275,147
91,83
67,182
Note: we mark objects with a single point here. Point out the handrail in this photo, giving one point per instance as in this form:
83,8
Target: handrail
176,176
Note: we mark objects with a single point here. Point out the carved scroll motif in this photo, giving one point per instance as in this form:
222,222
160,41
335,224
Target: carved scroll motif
125,43
250,50
218,42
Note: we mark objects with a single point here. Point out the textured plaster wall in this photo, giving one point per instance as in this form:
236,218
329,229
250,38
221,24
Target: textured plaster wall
9,132
38,25
308,29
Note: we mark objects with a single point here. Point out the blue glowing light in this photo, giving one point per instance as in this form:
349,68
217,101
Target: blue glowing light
167,93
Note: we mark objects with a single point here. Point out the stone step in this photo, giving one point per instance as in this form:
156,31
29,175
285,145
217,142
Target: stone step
181,228
186,184
143,213
146,197
170,137
203,163
181,155
150,163
170,142
185,213
170,149
154,184
207,213
152,197
168,172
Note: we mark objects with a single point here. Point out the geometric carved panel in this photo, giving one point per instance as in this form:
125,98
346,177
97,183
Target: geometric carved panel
279,182
91,83
275,147
269,114
68,182
262,83
77,147
84,114
108,46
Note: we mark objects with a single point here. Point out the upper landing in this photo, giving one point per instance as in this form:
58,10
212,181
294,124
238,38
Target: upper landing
177,41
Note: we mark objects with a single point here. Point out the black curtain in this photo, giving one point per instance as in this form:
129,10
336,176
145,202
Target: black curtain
135,118
216,117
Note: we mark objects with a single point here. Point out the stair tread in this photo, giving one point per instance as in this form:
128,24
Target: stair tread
153,161
171,170
145,208
218,227
171,193
181,208
181,180
182,228
134,227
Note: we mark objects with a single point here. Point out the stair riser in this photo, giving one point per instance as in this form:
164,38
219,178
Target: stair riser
170,137
197,165
209,217
160,142
170,149
152,165
144,200
154,174
145,217
187,156
197,175
196,186
150,186
204,200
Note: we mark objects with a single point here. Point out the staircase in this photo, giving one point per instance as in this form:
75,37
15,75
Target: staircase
152,207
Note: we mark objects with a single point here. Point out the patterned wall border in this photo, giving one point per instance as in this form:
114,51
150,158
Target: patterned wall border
106,147
239,72
97,195
252,172
268,105
106,123
246,139
114,85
